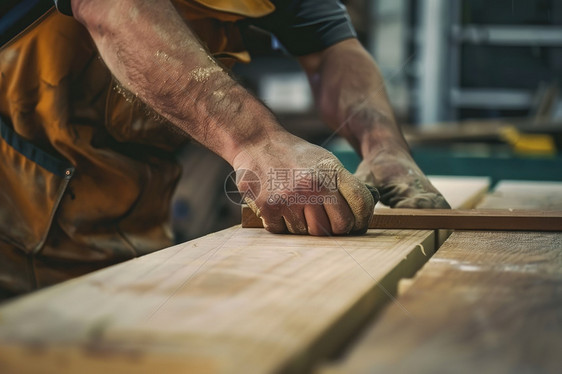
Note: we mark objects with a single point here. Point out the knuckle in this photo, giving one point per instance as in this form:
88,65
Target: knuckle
342,227
315,231
275,229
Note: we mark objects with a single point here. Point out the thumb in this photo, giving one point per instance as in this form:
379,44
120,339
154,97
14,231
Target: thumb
359,199
355,193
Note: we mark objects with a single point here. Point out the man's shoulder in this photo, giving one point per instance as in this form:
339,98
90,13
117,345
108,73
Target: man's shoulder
307,26
63,6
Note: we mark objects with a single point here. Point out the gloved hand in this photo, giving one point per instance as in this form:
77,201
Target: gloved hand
400,181
303,189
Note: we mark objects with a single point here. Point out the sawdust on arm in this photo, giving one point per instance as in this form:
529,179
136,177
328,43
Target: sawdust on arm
154,55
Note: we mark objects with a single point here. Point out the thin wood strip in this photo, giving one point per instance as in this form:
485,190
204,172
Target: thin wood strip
450,187
460,219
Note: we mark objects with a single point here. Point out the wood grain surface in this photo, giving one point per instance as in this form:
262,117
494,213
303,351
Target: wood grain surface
236,301
524,195
486,302
458,219
232,301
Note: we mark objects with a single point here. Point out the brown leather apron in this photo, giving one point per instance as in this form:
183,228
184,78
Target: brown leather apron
86,174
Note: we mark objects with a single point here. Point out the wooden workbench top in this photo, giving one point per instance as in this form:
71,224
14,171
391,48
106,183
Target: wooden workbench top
243,300
486,302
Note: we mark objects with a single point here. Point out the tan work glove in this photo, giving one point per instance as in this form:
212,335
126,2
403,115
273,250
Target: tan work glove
400,181
302,189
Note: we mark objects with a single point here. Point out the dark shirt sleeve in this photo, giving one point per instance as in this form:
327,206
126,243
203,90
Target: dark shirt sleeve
64,6
16,15
302,26
307,26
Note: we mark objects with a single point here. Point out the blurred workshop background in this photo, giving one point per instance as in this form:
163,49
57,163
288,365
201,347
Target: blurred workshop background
475,85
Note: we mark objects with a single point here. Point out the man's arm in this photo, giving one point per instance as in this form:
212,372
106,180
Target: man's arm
153,54
351,99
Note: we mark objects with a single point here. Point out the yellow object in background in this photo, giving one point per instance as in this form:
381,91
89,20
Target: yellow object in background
528,144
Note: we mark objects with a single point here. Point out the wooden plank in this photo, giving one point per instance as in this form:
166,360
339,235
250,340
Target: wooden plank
486,302
473,219
451,188
240,300
458,219
232,302
478,306
524,195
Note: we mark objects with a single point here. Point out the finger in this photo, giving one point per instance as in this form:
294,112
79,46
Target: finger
358,198
394,194
424,201
317,220
442,203
295,220
340,216
355,193
274,224
374,193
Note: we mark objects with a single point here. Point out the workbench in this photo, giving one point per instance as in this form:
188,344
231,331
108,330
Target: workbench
246,301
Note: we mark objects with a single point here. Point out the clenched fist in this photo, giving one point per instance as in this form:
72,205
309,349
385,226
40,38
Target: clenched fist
303,189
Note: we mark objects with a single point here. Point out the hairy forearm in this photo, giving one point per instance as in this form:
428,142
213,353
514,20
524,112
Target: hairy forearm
153,54
350,95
